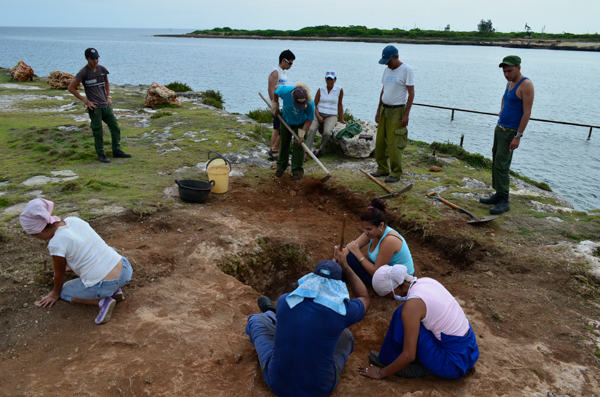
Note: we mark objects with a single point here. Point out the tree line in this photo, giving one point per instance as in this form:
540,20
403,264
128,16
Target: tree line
485,32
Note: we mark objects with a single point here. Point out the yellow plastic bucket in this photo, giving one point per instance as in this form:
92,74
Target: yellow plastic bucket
218,169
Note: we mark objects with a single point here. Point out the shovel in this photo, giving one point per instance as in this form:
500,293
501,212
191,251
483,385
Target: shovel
386,187
474,219
306,149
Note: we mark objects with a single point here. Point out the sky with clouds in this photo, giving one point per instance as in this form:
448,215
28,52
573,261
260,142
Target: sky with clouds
574,16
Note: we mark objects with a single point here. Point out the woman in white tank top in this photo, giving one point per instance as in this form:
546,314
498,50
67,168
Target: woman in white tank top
429,334
328,108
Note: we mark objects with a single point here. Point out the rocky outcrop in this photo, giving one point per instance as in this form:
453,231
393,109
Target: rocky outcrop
158,94
356,146
22,72
60,80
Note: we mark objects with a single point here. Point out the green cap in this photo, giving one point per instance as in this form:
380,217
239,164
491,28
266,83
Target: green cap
511,60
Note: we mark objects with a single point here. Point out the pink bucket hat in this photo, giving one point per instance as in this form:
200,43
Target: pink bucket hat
36,215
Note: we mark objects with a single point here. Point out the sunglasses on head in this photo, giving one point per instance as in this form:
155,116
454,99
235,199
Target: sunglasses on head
289,63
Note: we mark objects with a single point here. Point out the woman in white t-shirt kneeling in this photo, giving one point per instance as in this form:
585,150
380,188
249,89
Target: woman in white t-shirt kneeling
72,242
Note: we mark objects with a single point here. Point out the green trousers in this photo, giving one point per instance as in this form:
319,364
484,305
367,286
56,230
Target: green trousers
501,159
391,140
285,139
97,116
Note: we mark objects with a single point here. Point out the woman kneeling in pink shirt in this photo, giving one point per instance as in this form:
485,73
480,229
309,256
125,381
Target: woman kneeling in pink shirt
428,334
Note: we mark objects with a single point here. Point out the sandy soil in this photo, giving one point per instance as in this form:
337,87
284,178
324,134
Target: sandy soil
180,330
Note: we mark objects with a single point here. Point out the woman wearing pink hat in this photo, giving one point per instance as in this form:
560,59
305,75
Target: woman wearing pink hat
101,270
428,334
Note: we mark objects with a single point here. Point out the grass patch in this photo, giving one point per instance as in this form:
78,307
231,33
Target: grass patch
347,115
474,160
178,87
541,185
158,115
260,115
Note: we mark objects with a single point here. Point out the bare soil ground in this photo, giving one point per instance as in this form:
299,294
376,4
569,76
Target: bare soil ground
180,330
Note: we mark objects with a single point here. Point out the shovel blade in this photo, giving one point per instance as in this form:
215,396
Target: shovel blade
484,219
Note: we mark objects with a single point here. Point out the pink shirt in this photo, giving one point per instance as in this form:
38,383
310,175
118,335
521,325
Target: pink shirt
444,314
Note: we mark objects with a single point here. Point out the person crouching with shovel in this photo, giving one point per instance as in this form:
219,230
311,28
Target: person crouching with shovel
298,112
101,270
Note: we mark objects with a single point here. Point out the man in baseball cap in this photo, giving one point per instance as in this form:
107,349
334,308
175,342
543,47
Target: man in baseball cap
304,342
395,102
298,112
94,78
515,111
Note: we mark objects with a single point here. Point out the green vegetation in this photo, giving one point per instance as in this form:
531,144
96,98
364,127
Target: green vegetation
158,115
485,26
178,87
541,185
474,160
347,115
485,32
213,98
261,115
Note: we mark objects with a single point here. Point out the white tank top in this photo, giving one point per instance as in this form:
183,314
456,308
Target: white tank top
444,314
328,103
281,79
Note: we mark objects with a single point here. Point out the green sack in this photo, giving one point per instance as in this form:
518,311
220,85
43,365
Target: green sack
352,129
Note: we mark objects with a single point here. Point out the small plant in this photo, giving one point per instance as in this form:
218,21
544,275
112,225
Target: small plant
213,98
260,115
158,115
178,87
347,115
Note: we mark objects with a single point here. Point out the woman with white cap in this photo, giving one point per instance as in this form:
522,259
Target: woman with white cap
428,334
328,108
72,242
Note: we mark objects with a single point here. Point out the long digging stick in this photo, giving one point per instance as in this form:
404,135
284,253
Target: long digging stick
306,149
343,231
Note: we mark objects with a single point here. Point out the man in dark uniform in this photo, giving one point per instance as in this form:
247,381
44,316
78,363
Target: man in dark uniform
94,78
515,112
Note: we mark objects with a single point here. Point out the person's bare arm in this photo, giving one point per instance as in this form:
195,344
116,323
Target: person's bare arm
379,106
107,88
388,247
60,266
273,80
73,90
413,312
341,107
356,285
409,102
317,100
527,94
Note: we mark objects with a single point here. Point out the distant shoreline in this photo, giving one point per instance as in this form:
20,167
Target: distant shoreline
524,43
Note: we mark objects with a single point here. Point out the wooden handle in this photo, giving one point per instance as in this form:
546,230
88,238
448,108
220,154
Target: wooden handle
343,232
376,181
306,149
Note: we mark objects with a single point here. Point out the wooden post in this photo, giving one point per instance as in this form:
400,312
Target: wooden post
452,118
462,138
590,135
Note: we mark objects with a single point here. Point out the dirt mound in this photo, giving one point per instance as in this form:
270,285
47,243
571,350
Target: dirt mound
180,330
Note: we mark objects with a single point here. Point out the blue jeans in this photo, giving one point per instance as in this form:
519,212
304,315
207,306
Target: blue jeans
261,330
76,289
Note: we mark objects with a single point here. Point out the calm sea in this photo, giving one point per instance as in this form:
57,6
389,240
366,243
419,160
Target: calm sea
567,84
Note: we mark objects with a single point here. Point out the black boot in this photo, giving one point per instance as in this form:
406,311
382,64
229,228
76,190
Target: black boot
502,206
493,199
265,304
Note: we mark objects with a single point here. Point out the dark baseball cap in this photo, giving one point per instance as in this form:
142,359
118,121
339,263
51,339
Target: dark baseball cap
511,60
91,53
300,97
387,54
329,269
